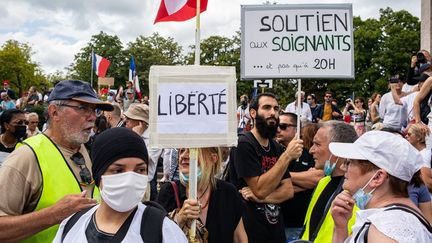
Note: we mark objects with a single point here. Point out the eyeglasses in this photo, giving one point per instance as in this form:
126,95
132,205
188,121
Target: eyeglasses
85,174
86,110
284,126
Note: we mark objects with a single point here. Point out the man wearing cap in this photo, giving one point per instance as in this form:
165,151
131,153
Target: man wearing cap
378,170
48,178
6,89
137,118
318,224
129,99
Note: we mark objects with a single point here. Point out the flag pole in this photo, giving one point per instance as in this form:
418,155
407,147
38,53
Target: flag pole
299,107
193,152
92,64
197,33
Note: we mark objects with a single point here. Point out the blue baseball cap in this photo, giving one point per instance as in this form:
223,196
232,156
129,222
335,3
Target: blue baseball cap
79,91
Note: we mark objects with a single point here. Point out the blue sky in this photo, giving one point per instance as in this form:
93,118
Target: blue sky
58,29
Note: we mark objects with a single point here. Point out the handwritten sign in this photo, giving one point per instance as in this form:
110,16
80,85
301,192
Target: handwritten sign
297,41
106,81
192,106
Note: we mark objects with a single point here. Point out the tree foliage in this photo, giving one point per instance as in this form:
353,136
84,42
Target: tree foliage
153,50
107,46
17,66
382,47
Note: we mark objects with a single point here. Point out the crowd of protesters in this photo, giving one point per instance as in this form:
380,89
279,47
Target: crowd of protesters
355,173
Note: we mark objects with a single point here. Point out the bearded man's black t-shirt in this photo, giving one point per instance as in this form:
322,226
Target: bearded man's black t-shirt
263,222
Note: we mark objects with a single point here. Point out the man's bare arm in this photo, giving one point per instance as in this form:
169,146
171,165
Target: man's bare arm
266,183
15,228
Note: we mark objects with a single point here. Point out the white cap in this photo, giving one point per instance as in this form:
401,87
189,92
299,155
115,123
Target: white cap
387,151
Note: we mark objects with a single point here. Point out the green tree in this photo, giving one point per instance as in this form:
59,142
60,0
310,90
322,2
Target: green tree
17,66
107,46
153,50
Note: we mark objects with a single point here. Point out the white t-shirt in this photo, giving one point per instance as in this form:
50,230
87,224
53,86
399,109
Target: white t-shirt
244,116
306,113
426,154
154,155
170,231
408,101
393,115
399,225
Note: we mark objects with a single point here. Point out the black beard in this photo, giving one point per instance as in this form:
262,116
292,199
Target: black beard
264,129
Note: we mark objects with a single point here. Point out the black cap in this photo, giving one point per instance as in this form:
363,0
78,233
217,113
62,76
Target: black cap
79,91
114,144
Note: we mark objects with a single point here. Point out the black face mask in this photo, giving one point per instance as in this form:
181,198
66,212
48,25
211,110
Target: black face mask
264,129
20,131
244,104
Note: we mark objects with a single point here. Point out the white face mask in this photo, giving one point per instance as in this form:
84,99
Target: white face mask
122,192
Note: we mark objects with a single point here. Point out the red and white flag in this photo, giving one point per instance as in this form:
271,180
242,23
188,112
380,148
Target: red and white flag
178,10
100,65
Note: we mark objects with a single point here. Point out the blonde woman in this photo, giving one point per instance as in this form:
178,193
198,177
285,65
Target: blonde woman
218,207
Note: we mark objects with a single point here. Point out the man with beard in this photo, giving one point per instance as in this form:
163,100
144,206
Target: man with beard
261,165
48,178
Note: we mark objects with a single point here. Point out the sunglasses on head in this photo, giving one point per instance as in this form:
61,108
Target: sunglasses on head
284,126
85,174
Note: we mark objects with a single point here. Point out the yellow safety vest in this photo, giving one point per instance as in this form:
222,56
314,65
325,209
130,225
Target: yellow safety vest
58,180
325,231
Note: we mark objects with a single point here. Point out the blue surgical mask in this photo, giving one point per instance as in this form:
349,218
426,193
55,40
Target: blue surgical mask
184,178
361,197
329,167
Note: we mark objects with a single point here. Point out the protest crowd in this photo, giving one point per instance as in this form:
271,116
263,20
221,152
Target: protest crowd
83,171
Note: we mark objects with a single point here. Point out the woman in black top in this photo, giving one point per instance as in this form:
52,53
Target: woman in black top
218,207
13,129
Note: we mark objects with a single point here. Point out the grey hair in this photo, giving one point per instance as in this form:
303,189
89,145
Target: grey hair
58,103
340,132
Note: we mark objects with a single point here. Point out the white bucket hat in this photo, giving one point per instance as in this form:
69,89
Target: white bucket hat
387,151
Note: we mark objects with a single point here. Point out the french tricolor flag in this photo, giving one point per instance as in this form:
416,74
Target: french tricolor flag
100,65
178,10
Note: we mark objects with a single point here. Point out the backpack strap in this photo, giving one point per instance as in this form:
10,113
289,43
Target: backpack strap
390,207
412,211
152,222
71,222
176,193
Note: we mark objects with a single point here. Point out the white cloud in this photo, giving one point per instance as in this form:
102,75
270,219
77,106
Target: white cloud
58,29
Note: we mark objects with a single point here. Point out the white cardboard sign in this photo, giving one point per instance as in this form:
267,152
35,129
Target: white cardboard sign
297,41
192,106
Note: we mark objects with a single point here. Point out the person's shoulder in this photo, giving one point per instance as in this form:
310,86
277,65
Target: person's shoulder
225,186
21,159
171,232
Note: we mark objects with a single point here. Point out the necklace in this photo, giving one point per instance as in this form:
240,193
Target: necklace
208,199
266,148
204,191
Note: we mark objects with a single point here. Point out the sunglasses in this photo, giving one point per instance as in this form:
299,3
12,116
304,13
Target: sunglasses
284,126
357,101
85,174
328,96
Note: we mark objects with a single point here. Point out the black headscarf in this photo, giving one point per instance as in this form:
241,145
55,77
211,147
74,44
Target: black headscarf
114,144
